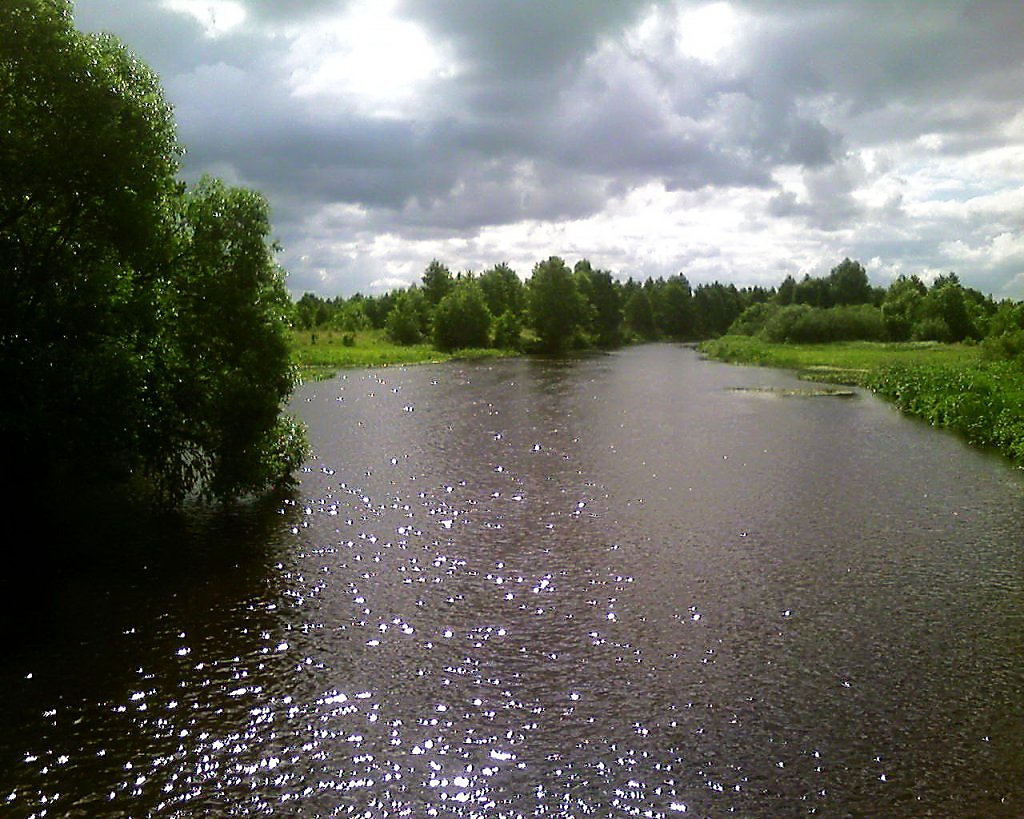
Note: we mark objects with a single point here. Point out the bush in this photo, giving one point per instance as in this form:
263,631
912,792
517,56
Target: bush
753,320
803,324
508,331
1008,346
932,328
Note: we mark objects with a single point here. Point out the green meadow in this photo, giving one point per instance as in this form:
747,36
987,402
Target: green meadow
319,354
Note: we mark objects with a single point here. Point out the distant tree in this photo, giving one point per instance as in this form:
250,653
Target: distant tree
814,292
639,315
508,331
1005,340
350,316
554,303
405,320
674,310
462,319
981,309
902,306
377,308
752,321
306,310
787,291
849,283
943,312
581,275
716,307
437,283
1007,318
503,290
602,297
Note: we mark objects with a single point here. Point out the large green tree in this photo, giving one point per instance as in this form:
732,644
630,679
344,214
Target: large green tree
674,309
604,300
503,290
639,314
229,346
902,307
462,319
437,282
118,352
405,319
849,283
556,307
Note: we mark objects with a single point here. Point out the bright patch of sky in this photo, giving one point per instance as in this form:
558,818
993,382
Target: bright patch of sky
368,56
217,17
708,32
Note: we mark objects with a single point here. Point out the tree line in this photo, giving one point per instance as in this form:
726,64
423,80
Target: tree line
144,323
557,309
560,308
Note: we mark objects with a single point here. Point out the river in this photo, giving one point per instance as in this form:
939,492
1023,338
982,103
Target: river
608,586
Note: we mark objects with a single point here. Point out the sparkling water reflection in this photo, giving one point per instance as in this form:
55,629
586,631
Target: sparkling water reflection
608,587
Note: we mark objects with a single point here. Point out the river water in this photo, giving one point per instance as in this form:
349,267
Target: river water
611,586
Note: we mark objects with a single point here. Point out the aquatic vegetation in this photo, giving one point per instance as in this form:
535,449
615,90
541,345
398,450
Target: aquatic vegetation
947,385
984,403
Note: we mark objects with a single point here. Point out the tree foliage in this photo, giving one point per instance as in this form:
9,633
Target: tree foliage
142,325
587,307
404,322
503,290
437,282
555,305
462,318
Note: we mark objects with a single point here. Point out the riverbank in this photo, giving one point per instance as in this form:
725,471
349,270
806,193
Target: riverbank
319,354
947,385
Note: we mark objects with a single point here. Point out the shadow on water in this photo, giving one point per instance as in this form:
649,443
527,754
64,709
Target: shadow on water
72,565
113,617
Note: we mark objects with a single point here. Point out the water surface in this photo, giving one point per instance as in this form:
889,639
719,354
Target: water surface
611,586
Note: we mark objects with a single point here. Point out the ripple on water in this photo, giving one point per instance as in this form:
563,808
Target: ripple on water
467,611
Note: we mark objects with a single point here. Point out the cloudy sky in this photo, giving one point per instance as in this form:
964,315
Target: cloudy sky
740,141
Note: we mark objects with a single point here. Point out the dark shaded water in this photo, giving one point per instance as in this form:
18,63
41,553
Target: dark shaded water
606,587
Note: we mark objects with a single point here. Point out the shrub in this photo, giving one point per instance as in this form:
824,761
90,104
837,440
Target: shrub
803,324
508,331
753,320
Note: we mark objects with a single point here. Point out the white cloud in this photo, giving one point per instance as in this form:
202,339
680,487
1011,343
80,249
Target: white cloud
217,17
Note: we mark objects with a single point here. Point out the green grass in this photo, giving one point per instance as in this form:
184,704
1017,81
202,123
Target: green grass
848,362
947,385
321,353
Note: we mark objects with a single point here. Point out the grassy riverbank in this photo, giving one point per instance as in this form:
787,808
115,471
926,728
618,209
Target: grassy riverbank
321,353
947,385
842,362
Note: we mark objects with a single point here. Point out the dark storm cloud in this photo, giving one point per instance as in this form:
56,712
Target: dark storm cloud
291,11
503,41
